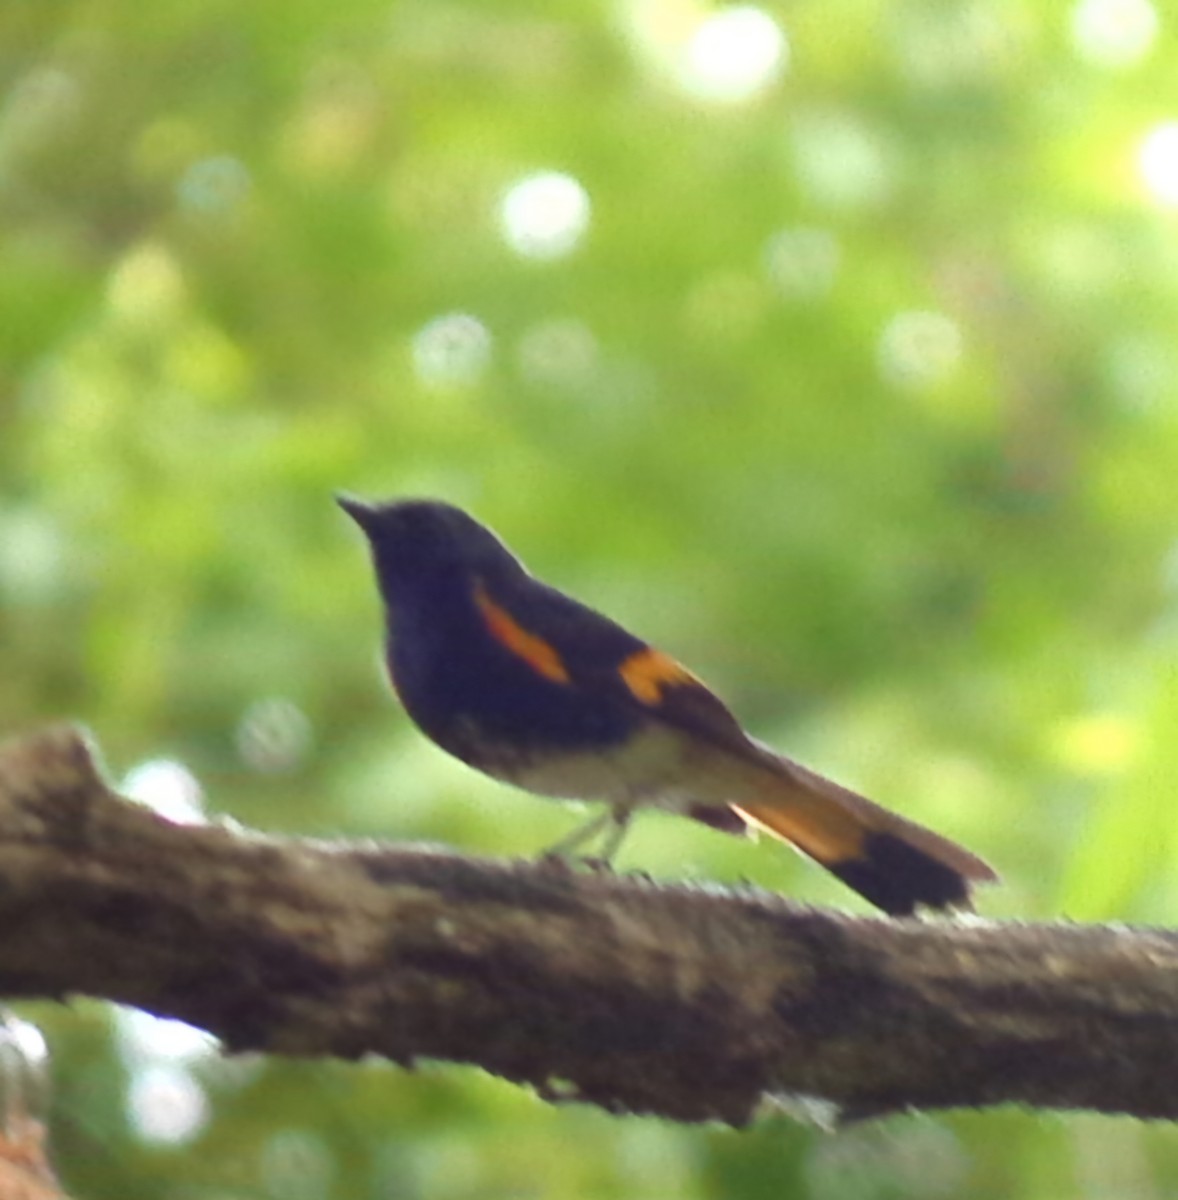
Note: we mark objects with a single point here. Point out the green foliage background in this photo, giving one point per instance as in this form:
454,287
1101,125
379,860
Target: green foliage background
858,395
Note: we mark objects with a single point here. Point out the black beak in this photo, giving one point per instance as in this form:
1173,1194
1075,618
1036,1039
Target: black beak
363,514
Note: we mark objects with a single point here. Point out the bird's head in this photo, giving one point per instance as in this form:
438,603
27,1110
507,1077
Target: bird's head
425,541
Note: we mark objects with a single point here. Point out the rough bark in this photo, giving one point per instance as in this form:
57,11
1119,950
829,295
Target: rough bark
695,1003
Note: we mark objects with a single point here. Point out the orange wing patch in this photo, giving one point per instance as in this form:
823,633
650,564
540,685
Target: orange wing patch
534,650
648,671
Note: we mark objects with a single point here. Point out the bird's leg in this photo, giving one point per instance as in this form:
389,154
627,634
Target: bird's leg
616,833
585,832
614,822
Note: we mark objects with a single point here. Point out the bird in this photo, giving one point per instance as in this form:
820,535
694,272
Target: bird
534,688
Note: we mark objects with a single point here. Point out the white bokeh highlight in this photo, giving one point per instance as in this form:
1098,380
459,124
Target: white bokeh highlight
544,215
147,1040
452,350
733,55
919,349
1157,160
166,1106
166,787
1114,33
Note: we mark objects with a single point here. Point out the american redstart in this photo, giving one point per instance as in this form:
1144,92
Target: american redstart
532,687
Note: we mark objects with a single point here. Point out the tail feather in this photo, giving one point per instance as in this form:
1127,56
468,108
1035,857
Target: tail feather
891,861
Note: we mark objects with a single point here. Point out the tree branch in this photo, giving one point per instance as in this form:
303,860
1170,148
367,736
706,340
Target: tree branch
695,1003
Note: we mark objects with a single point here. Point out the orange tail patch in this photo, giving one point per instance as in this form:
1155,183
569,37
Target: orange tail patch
891,861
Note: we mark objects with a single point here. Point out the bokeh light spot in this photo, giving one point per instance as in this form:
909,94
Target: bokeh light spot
841,163
340,115
451,350
734,54
1114,33
146,288
561,352
166,1105
26,1039
544,215
802,263
1141,372
214,187
919,349
1158,162
1097,744
168,788
33,562
273,735
950,46
38,106
146,1040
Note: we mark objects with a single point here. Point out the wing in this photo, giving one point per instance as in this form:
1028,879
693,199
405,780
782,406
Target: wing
572,644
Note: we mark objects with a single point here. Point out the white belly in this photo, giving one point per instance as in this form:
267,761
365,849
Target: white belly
650,765
660,767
